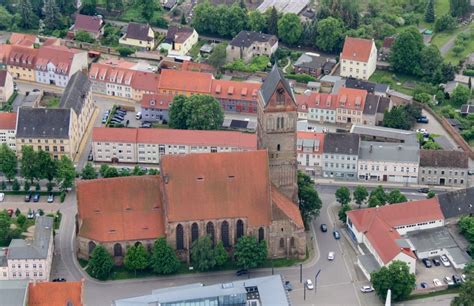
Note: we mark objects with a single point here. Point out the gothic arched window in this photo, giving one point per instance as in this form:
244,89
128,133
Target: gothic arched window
194,232
210,230
225,233
179,237
240,229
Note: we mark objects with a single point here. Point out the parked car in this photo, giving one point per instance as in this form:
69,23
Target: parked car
336,234
423,119
288,286
104,120
59,279
331,256
424,190
427,262
470,172
39,212
2,196
423,131
115,121
138,116
324,228
367,289
146,125
457,280
51,198
28,197
118,117
90,157
241,272
448,280
437,282
36,197
35,90
31,214
436,262
424,285
445,260
309,284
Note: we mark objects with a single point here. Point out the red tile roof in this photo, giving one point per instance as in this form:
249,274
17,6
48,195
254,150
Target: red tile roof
111,74
114,135
121,209
185,81
22,57
350,98
88,23
5,53
55,294
315,136
289,208
60,56
198,67
146,81
235,185
21,39
156,101
316,100
233,90
379,223
357,49
7,121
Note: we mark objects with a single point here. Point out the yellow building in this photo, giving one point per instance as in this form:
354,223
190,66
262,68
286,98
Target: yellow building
140,36
181,40
21,62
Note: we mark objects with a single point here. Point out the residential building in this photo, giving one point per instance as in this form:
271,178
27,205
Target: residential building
378,232
139,36
267,290
328,82
94,25
56,293
372,88
443,167
358,58
181,39
6,86
383,134
374,109
24,40
21,62
283,6
319,107
340,155
32,259
314,64
8,129
310,152
246,45
14,292
56,64
154,107
350,105
150,145
456,203
388,162
399,98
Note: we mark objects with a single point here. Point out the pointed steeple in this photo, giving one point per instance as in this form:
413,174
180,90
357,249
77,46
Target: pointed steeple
271,82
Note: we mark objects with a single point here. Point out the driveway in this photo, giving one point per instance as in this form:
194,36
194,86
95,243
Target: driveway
434,127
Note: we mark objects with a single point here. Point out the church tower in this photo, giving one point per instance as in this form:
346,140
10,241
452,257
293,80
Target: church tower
276,131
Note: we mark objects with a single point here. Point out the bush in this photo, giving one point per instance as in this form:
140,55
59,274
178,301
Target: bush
26,186
3,186
37,187
125,51
301,78
469,72
62,196
422,97
50,186
445,23
258,63
16,185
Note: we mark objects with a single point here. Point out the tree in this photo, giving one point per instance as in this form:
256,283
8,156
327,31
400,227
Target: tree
221,254
52,15
378,194
66,173
46,165
430,63
5,230
202,254
89,7
103,169
178,113
5,18
218,56
101,263
15,185
445,23
308,199
88,173
84,36
111,172
109,5
257,21
460,96
148,8
330,34
430,194
430,12
272,22
466,294
459,8
28,19
360,194
235,20
290,28
197,112
125,51
343,195
183,19
402,117
406,51
397,278
29,167
466,225
136,258
66,7
250,253
163,259
343,212
21,220
395,196
8,162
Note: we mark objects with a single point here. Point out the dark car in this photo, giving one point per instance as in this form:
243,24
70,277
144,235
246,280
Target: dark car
241,272
336,235
457,279
424,190
424,285
422,120
28,197
427,262
288,286
36,197
146,125
59,279
324,228
436,262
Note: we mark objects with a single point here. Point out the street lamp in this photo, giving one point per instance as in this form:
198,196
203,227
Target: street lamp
316,281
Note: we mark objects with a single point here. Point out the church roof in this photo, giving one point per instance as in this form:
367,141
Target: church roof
271,82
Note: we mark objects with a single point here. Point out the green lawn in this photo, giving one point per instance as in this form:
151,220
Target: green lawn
469,48
387,77
441,7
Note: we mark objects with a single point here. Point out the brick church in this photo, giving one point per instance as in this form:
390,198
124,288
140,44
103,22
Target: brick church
222,195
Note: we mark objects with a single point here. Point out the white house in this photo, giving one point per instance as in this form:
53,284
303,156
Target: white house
8,129
320,107
358,58
309,146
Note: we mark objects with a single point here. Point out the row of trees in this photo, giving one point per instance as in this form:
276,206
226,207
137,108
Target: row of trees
197,112
205,256
89,172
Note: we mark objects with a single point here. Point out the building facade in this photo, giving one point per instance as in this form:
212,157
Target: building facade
8,129
358,58
444,168
320,107
340,156
140,36
6,86
155,107
247,45
350,105
310,152
21,62
181,40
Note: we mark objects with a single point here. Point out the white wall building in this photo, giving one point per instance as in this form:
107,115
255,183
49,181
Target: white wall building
358,58
309,146
8,129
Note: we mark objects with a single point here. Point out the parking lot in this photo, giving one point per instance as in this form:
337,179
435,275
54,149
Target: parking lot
424,274
129,117
18,201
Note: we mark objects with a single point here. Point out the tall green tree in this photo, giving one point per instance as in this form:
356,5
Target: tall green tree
112,172
290,29
5,230
8,162
47,166
459,8
360,194
202,254
28,20
431,62
250,253
379,194
395,196
308,199
343,195
218,56
460,96
406,51
29,166
101,263
397,278
257,21
88,173
66,7
330,34
89,7
445,23
430,12
163,259
66,173
221,254
5,18
136,258
197,112
52,15
342,214
235,20
272,22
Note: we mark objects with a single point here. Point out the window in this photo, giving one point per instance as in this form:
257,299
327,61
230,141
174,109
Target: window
292,242
225,233
117,249
194,232
240,229
282,243
261,234
280,96
91,249
179,237
278,147
210,231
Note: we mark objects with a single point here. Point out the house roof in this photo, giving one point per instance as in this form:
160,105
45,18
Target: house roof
100,72
55,294
43,123
22,56
221,183
76,92
178,34
290,209
444,159
357,49
371,104
60,56
39,247
271,82
234,90
317,100
350,98
389,151
156,101
246,38
14,292
114,135
146,81
384,105
138,31
110,212
88,23
198,67
457,203
311,139
311,61
7,121
22,39
188,81
383,132
360,84
341,143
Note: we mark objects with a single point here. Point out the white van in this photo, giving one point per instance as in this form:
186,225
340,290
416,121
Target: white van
138,116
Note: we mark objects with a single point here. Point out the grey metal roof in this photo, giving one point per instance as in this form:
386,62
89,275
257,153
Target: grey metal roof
76,92
457,203
43,123
38,248
431,239
247,38
271,82
389,151
381,88
310,61
384,104
3,257
383,132
13,292
369,262
283,6
360,84
459,256
331,78
341,143
270,290
371,104
395,93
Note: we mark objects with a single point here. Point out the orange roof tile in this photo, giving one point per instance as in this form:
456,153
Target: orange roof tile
199,67
123,135
22,57
289,208
146,81
110,212
55,294
316,100
357,49
351,98
5,53
234,90
60,56
7,121
156,101
315,136
235,185
21,39
185,81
